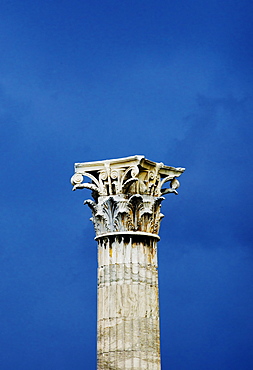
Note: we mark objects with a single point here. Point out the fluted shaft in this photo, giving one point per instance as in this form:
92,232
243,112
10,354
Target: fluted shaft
128,308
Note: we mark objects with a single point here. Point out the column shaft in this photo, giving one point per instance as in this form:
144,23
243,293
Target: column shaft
128,307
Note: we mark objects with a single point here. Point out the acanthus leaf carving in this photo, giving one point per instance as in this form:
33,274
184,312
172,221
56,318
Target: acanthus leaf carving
127,192
128,183
119,214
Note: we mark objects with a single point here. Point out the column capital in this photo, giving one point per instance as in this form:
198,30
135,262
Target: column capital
127,194
128,176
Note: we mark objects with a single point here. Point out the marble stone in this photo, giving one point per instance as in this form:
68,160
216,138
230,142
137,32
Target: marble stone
127,195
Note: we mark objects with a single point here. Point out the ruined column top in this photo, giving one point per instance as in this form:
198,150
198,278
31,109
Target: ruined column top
129,175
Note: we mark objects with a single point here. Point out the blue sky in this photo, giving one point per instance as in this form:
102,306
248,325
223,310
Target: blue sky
90,80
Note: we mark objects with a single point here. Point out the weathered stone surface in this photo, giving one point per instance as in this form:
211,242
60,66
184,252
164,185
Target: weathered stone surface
130,175
128,307
127,195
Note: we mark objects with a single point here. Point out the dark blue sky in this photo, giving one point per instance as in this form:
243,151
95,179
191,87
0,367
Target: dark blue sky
90,80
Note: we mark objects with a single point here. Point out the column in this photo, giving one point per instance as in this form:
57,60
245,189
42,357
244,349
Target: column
127,195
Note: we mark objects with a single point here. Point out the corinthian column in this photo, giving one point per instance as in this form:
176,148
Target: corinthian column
127,195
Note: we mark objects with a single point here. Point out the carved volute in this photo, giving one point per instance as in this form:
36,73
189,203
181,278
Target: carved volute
127,193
